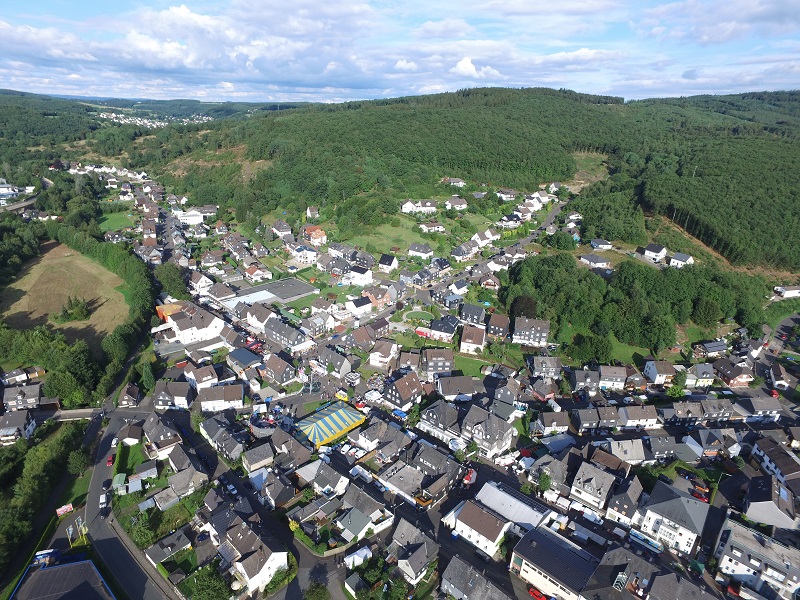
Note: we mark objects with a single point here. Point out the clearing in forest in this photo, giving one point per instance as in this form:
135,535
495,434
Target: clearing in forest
45,283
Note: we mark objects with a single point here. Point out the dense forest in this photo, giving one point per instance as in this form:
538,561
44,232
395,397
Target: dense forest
725,168
640,305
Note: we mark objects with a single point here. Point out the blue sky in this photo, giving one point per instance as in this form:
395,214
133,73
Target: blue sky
323,50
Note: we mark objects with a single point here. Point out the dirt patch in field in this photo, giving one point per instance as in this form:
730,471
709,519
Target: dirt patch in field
44,284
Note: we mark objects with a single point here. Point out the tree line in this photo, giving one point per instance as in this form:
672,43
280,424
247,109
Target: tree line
640,305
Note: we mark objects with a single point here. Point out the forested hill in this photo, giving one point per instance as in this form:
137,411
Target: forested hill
726,168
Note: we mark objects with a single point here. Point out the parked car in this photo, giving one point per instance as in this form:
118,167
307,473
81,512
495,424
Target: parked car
380,486
114,442
203,537
700,486
483,556
684,473
360,454
536,594
699,496
110,460
665,478
345,449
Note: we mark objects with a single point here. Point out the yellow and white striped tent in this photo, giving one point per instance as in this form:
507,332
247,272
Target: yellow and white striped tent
330,423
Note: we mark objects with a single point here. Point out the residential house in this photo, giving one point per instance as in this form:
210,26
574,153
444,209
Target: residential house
387,263
200,377
425,207
383,354
455,203
585,381
779,462
217,430
634,380
15,425
460,388
129,395
757,562
485,238
673,518
403,393
552,564
492,434
778,376
172,394
256,273
612,378
471,313
733,374
759,409
160,438
422,251
432,227
710,349
592,486
703,374
221,397
465,251
659,372
14,377
315,235
548,367
278,370
497,326
255,557
599,244
478,525
283,334
412,550
360,307
422,475
22,397
312,212
282,229
199,283
586,420
379,296
636,416
437,362
549,423
655,252
473,339
322,478
625,501
258,458
595,262
442,329
680,260
716,410
333,363
531,332
630,451
768,501
241,359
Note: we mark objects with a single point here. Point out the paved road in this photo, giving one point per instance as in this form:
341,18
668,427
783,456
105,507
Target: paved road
131,570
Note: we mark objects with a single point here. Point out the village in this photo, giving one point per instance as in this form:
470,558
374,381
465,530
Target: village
384,407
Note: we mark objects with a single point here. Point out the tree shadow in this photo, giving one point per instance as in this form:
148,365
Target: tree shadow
319,573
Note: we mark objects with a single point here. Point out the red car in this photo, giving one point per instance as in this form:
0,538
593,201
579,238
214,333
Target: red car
700,496
536,594
774,393
110,461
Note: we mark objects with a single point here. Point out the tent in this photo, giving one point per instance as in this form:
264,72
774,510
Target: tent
330,423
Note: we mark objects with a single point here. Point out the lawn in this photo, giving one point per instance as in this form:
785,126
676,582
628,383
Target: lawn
44,284
128,458
303,302
419,314
185,560
469,366
385,236
310,407
115,221
77,490
625,353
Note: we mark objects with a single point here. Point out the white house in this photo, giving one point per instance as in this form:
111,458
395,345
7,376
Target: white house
383,353
595,262
360,307
221,397
255,558
634,416
473,339
787,291
655,252
672,517
425,207
358,276
600,244
679,260
659,372
456,203
478,525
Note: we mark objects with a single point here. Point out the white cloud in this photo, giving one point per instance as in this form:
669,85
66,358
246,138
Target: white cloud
465,68
447,28
405,65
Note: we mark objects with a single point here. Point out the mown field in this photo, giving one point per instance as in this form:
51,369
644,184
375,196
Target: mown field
45,283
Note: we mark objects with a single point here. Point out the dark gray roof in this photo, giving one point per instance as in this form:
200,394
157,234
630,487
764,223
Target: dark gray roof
72,580
561,559
621,566
678,507
460,575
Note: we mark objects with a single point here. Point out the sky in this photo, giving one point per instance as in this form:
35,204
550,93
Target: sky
331,51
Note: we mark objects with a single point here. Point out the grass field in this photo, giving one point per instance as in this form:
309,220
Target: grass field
469,366
45,283
386,236
419,314
115,221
